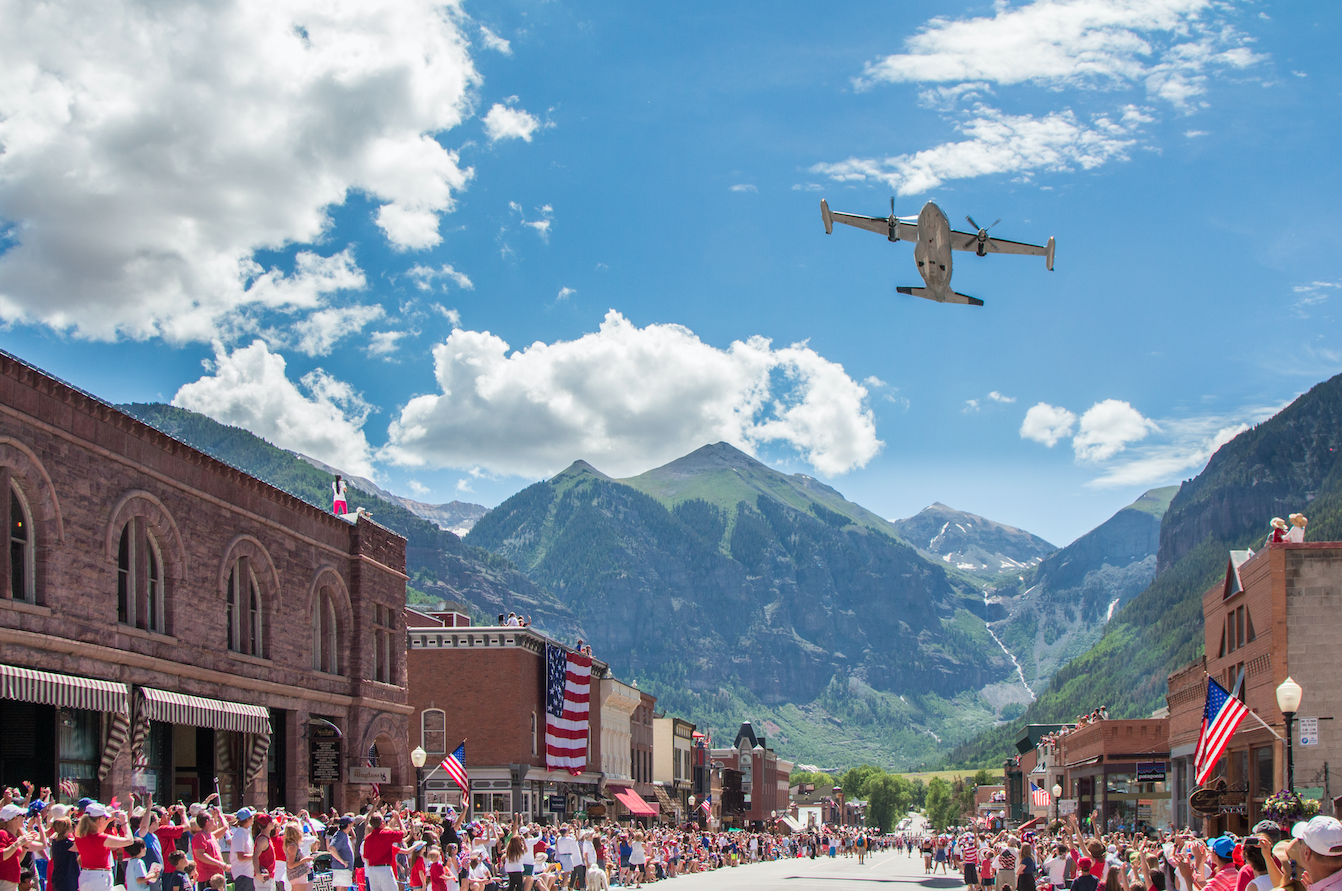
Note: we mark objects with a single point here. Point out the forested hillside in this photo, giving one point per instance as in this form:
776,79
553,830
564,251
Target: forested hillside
1287,463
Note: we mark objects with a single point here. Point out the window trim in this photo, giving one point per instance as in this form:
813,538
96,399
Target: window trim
29,547
424,731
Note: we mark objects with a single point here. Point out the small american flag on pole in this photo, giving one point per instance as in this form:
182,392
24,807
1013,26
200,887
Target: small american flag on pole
1220,719
1039,797
568,686
707,804
455,765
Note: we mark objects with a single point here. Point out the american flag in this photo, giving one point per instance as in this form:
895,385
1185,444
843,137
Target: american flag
707,805
1220,719
1039,797
568,685
372,759
455,765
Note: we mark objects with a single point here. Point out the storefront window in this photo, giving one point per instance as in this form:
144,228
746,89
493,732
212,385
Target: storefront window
77,736
152,778
228,758
1263,770
500,803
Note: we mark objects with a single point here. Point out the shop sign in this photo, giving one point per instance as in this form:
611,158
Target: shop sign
1152,772
367,775
557,804
1314,793
323,755
1066,806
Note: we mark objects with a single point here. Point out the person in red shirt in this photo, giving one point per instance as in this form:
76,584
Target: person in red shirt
95,845
380,846
205,852
14,843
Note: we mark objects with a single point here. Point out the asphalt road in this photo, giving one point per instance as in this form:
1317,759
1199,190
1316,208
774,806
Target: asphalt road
885,870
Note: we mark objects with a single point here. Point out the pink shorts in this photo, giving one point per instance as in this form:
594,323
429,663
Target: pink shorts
339,508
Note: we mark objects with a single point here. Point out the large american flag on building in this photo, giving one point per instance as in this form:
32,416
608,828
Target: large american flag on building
1039,797
1220,719
568,686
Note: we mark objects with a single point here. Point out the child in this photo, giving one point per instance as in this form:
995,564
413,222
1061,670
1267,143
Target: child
217,882
174,876
442,877
139,875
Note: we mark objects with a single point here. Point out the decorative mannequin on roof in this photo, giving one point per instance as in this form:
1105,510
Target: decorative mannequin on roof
1298,523
1278,531
338,505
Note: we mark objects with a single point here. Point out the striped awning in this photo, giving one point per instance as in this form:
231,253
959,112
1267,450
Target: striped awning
198,711
63,690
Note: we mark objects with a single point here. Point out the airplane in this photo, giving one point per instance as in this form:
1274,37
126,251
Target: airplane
934,240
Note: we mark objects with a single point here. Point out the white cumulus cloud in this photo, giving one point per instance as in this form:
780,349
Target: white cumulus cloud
1047,424
995,143
505,122
1167,46
492,41
151,149
319,333
250,388
424,276
627,399
1107,428
998,397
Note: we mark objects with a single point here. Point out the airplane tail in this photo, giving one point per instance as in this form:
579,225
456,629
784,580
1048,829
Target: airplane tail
929,294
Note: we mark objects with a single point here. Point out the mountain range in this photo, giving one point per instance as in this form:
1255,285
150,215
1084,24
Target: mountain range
1286,464
734,591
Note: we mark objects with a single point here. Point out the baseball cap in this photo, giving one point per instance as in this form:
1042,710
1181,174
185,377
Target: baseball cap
94,810
1223,847
1084,864
1322,835
244,814
83,803
10,811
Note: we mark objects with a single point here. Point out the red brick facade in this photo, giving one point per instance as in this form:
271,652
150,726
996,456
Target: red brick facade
83,472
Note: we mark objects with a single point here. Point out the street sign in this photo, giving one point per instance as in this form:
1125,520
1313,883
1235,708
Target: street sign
1309,731
558,804
1066,806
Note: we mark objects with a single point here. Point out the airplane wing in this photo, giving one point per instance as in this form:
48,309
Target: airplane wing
969,241
879,225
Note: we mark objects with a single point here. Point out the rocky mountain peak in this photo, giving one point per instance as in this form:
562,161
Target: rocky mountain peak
970,542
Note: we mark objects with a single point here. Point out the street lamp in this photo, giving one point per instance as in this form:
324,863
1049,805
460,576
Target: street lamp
1057,795
417,758
1288,700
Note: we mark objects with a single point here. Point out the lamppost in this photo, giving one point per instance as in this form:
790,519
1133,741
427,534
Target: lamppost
1057,795
1288,700
417,758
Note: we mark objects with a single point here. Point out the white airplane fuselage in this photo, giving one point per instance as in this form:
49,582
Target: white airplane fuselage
933,251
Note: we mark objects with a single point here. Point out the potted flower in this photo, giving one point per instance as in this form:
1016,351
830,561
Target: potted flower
1287,808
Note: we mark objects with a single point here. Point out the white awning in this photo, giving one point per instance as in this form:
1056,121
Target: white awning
63,690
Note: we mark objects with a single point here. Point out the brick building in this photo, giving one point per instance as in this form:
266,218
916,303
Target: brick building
1119,768
486,685
754,780
1274,614
162,601
672,769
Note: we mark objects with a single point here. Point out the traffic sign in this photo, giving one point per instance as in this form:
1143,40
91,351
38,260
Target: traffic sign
1309,731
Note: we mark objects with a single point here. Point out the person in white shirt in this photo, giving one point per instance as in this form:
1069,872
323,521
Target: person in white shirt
240,849
339,506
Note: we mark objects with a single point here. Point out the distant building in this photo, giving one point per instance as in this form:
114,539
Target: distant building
486,684
1274,614
672,770
1119,768
754,781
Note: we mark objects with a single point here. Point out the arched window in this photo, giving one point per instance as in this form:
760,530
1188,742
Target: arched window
433,731
384,666
325,651
245,611
139,579
22,549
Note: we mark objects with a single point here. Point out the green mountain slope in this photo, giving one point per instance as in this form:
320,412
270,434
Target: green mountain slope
440,565
1057,610
797,610
1287,463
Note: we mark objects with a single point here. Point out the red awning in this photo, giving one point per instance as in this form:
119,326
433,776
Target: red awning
634,802
1027,824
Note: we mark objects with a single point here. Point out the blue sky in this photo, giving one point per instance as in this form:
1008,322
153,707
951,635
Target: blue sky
307,225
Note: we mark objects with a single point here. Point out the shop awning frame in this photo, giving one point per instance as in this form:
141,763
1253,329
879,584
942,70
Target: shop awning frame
63,690
201,711
633,802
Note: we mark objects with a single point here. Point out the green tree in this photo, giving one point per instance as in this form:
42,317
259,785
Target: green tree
919,793
888,800
940,804
854,781
807,776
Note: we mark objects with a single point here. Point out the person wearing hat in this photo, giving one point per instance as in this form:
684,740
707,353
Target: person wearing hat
241,849
1318,845
1278,531
1298,524
14,843
95,845
341,847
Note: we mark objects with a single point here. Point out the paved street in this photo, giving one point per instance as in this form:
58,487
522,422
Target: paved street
889,869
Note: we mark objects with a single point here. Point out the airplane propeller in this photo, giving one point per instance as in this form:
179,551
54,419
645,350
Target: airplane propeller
981,229
982,236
